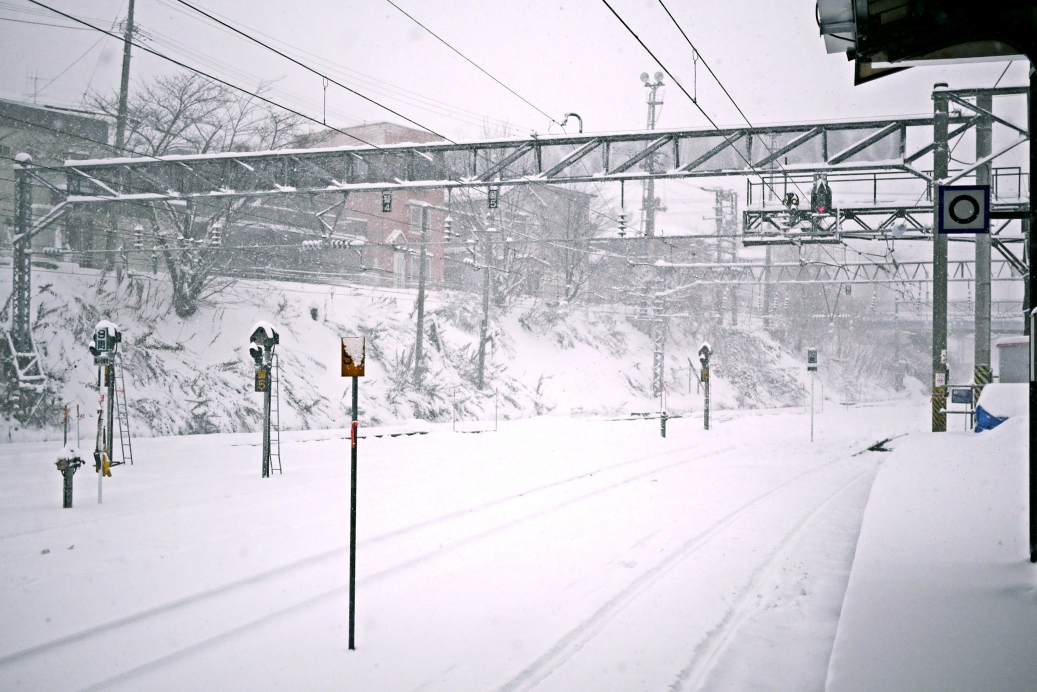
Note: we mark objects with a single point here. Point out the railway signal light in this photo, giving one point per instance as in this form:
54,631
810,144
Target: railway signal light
821,195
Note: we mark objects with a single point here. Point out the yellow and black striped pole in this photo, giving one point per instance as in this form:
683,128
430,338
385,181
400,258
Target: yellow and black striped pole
982,376
939,402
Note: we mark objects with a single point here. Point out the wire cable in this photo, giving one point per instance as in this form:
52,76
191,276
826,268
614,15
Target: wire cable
370,83
56,26
680,86
719,83
308,68
202,73
469,61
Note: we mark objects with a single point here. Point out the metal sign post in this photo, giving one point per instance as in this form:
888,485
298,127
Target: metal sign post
354,355
812,369
704,353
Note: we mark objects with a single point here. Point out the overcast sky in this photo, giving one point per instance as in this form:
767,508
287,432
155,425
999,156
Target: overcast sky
562,56
571,55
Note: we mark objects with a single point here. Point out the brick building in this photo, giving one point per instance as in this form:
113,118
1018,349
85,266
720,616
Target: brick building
392,238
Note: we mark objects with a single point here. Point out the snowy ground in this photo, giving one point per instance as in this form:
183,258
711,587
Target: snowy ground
942,596
555,554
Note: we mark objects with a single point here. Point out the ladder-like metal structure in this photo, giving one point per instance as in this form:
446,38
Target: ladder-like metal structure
122,413
21,352
275,418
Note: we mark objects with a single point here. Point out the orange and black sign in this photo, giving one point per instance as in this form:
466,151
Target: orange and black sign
353,356
263,380
705,374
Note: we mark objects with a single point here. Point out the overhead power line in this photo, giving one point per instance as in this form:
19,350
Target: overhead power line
202,73
709,69
308,68
367,82
705,64
680,86
229,84
56,26
471,62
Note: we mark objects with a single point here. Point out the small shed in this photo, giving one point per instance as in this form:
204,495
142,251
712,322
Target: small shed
1013,358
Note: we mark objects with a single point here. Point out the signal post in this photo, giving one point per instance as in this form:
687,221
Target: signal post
263,340
704,353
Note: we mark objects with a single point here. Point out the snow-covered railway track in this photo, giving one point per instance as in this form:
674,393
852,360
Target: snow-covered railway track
175,615
120,515
549,556
707,650
693,676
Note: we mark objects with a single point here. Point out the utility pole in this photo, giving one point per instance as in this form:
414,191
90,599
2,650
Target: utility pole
658,308
898,372
484,325
418,342
655,99
120,135
768,289
731,231
940,163
124,87
982,372
725,210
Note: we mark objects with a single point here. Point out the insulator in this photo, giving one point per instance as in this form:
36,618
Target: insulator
138,238
216,237
448,229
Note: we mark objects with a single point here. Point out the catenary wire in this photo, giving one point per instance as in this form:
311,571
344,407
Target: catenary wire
378,85
211,77
307,67
469,61
680,86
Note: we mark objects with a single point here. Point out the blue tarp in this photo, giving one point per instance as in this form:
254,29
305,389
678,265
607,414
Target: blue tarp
985,421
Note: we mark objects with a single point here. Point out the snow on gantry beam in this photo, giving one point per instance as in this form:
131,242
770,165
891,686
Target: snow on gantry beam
872,145
696,274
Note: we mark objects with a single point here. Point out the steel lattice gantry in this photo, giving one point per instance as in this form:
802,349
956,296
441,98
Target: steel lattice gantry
834,148
841,150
